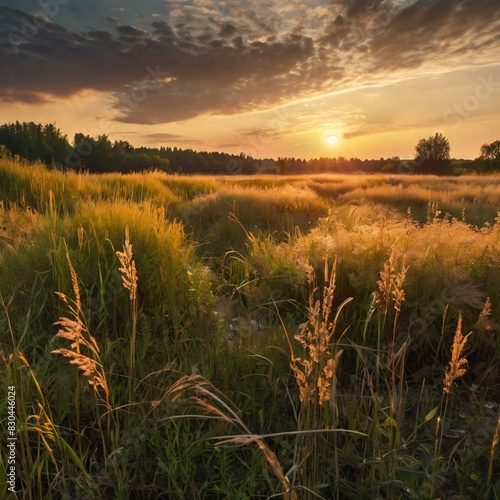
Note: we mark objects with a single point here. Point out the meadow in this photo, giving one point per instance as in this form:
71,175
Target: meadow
296,337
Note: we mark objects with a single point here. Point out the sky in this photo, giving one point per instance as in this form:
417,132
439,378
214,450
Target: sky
268,78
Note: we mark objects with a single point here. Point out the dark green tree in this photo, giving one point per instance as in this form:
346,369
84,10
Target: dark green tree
433,154
491,151
35,142
435,148
490,157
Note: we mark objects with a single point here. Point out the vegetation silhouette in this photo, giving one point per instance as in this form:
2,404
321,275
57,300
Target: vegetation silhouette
46,143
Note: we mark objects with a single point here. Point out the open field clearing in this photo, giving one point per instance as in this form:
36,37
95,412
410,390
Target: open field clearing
250,336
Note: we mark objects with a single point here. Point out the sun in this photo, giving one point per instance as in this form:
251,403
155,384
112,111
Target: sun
332,139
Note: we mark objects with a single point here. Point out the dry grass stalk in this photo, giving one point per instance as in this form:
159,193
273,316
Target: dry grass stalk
391,295
316,371
75,330
209,398
91,369
129,279
484,322
390,286
456,370
316,376
457,362
45,428
128,270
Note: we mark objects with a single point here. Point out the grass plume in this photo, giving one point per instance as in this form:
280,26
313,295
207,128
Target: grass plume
457,362
74,329
456,369
129,281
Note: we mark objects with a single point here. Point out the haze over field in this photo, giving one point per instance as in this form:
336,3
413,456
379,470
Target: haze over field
267,78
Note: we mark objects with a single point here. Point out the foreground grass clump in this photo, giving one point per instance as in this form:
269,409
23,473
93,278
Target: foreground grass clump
175,292
250,337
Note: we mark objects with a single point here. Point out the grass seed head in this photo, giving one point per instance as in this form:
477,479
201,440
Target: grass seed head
128,269
457,362
390,286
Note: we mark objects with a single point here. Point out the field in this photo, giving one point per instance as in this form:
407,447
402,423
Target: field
175,337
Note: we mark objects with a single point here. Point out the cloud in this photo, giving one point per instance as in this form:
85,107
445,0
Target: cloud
356,133
166,138
237,56
161,136
228,145
26,97
437,32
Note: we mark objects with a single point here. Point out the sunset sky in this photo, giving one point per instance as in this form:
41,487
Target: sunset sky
265,77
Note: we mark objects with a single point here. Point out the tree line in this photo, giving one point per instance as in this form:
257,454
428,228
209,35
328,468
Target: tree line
46,143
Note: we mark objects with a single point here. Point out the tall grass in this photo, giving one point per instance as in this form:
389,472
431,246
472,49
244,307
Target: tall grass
129,280
216,219
92,237
315,373
311,382
31,186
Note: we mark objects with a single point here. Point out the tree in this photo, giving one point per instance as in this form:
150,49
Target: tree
432,152
34,141
435,148
491,151
283,165
490,157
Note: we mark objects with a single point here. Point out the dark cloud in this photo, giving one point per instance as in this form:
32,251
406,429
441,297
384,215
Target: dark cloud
435,30
102,36
52,60
230,57
222,79
14,96
130,31
359,8
227,30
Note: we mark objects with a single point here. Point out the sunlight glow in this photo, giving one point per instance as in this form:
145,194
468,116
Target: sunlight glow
332,139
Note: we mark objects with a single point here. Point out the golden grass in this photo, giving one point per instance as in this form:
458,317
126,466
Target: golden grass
390,286
456,369
287,226
257,204
129,281
128,187
75,330
442,255
457,362
30,187
188,187
315,373
128,270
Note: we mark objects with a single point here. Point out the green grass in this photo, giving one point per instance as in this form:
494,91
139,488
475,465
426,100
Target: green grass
205,396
